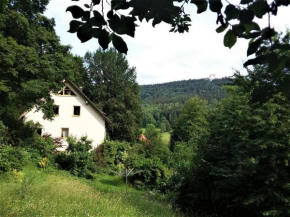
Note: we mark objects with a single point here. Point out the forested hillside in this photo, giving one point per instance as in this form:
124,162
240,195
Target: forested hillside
181,91
162,103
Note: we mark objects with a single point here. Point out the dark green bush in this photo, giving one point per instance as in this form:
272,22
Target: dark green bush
12,158
78,160
148,173
111,153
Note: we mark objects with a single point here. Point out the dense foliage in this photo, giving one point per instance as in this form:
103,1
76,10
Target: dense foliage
230,158
192,123
162,103
78,160
148,159
242,169
181,91
32,60
111,84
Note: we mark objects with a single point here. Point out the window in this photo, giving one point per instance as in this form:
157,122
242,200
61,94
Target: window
77,110
56,110
66,91
64,133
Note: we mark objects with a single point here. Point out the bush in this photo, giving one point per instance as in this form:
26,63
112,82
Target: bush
148,173
12,158
43,145
111,154
78,160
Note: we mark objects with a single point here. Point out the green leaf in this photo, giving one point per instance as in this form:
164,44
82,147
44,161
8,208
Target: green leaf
86,16
99,17
253,47
215,5
252,26
244,2
230,39
140,7
246,16
123,25
104,39
96,2
231,12
280,47
156,21
110,14
270,59
260,8
119,44
200,4
96,22
96,32
262,49
222,28
238,29
76,11
120,4
84,33
74,26
268,33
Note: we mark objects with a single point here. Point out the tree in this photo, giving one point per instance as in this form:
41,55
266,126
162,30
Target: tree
109,27
32,60
242,170
111,83
192,123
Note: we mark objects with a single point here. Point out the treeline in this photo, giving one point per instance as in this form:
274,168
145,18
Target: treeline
162,103
181,91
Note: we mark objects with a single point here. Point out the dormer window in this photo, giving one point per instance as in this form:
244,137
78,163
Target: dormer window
66,91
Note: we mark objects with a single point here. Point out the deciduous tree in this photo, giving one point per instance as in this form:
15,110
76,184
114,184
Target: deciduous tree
111,83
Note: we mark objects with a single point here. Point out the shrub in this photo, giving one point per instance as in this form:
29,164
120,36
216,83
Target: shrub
18,176
12,158
43,163
43,145
78,160
111,154
149,173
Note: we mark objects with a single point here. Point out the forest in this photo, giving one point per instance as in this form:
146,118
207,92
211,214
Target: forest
229,148
162,103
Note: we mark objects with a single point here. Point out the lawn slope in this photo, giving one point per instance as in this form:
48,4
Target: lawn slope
57,193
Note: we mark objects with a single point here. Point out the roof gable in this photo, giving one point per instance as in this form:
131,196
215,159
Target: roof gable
76,90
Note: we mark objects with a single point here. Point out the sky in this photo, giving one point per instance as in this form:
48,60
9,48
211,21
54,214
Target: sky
160,56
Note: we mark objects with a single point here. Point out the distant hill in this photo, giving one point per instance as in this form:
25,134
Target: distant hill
162,103
180,91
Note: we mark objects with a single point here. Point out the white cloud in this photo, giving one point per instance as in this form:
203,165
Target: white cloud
160,56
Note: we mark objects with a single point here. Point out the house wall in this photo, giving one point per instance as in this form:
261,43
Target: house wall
89,123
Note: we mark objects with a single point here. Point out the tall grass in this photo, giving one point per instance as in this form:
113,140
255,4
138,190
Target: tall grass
54,193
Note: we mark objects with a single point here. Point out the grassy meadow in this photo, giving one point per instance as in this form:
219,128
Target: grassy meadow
51,192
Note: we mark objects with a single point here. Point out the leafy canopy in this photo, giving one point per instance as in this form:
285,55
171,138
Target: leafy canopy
238,20
111,83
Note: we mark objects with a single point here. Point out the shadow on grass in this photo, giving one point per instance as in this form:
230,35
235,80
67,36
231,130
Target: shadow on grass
114,182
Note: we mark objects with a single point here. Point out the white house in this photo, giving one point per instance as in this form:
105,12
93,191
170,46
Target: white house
75,115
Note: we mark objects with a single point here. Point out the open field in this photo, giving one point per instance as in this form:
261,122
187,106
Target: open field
56,193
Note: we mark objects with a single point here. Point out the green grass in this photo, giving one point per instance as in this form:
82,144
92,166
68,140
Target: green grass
56,193
166,137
